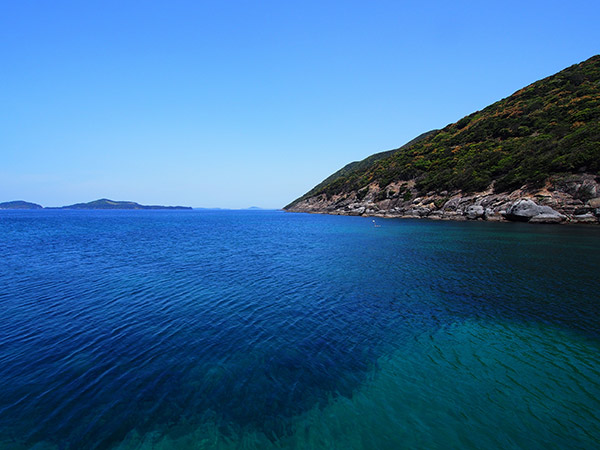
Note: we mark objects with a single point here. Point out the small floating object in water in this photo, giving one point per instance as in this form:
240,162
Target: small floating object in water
375,224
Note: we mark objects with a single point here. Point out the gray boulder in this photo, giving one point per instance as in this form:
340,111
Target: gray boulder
526,210
522,210
474,212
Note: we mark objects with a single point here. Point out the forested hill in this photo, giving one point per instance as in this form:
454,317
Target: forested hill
358,166
105,203
549,127
19,204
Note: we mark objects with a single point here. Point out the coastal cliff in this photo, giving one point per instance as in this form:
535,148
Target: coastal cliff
572,198
533,157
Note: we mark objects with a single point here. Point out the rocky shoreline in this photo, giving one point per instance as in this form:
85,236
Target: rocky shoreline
563,199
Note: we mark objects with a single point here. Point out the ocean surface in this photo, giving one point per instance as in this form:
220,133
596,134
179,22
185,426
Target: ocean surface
266,330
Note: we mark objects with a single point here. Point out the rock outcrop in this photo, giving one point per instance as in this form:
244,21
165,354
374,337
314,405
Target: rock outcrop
526,210
564,199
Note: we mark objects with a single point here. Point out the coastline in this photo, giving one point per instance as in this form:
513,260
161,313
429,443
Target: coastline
562,200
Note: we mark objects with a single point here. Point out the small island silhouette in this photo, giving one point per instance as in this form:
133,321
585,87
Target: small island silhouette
102,203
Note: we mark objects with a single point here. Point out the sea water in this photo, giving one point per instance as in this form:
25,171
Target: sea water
264,329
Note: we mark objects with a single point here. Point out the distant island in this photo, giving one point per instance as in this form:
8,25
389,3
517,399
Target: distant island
532,157
20,204
102,203
105,203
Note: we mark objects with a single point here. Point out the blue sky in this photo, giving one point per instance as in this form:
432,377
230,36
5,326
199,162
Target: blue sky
241,103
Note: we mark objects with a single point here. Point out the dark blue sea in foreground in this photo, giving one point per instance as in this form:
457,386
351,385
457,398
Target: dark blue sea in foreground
259,330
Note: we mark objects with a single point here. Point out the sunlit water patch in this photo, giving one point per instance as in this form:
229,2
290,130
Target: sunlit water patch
272,330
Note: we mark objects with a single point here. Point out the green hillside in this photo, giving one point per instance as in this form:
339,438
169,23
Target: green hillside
357,167
105,203
19,204
551,126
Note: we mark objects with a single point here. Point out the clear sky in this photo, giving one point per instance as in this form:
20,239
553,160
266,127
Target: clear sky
251,103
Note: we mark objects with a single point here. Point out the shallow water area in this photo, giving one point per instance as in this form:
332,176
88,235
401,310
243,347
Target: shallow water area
498,377
263,329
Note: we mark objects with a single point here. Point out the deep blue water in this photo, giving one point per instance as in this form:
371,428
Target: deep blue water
263,329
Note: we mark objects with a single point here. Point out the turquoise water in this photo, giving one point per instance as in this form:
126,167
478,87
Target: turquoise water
177,330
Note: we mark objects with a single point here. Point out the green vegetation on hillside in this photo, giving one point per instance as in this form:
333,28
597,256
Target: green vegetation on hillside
549,127
19,204
105,203
357,166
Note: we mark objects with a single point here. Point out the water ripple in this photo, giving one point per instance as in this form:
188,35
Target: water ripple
270,330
